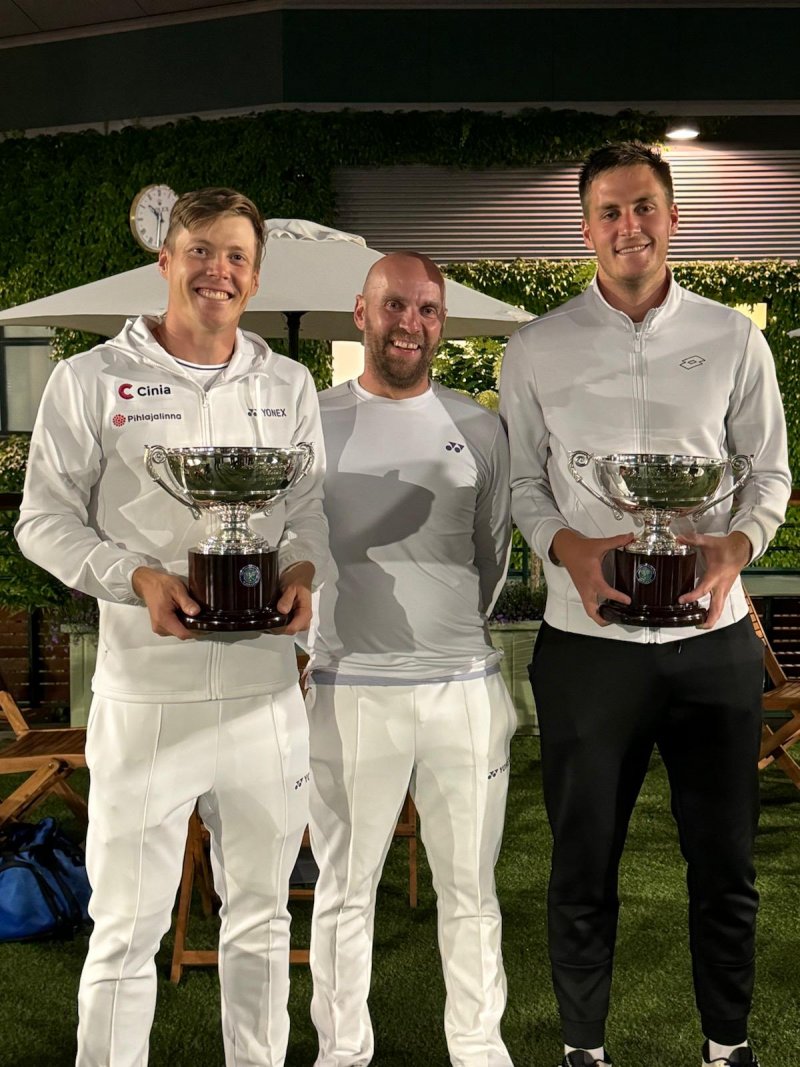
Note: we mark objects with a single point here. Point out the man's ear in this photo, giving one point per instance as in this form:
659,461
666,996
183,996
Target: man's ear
358,312
586,233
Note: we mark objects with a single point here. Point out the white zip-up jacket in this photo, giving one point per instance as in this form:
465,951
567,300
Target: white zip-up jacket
697,378
91,514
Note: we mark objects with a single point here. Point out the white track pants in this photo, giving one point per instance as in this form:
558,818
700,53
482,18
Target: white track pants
450,743
247,762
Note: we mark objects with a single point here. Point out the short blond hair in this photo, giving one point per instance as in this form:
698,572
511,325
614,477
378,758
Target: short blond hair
205,205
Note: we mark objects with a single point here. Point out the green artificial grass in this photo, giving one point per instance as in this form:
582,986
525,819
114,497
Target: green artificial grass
652,1022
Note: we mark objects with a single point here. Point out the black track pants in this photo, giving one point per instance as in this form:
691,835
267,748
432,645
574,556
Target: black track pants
602,706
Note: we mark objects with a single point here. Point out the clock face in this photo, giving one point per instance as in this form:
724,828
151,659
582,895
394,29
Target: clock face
149,216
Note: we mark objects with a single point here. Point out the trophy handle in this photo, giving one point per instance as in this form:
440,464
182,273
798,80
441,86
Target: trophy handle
580,459
741,468
308,448
154,455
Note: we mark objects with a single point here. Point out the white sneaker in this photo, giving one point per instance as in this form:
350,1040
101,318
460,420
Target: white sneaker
740,1057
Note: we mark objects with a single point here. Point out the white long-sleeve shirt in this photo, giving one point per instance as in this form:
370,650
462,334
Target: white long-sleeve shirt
417,498
696,378
91,514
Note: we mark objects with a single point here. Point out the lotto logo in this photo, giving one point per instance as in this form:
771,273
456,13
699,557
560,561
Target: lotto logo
119,420
691,362
454,446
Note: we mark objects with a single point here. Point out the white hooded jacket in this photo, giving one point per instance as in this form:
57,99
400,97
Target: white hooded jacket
91,514
696,378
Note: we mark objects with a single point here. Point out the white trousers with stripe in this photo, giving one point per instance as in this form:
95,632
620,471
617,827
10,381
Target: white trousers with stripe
246,761
449,742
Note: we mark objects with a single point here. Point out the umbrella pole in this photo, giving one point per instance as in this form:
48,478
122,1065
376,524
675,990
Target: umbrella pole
293,326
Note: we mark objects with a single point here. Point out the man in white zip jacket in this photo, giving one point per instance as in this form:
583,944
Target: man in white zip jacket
638,364
218,719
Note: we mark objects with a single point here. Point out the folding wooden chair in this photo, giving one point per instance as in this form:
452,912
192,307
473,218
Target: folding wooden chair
50,755
197,869
782,701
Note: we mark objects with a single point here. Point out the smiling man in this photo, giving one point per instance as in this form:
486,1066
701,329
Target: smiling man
406,691
177,721
636,364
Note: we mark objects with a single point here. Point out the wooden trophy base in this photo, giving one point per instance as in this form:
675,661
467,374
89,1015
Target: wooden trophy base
654,583
235,592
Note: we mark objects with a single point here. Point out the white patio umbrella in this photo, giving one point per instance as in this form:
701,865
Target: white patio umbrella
309,279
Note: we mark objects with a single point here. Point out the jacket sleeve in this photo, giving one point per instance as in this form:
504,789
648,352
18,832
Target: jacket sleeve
533,505
65,464
305,534
492,529
756,427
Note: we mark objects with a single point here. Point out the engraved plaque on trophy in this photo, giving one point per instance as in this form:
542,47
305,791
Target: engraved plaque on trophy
656,569
233,574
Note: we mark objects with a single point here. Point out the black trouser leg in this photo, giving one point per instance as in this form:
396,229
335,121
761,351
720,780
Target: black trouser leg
595,717
602,704
709,745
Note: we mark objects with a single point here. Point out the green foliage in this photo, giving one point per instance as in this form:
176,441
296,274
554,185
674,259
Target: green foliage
519,602
470,365
537,285
23,585
13,461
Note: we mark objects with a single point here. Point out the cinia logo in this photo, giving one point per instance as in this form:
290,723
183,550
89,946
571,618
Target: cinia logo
127,390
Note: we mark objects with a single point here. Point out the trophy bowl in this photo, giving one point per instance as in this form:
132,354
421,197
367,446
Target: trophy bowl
233,573
655,569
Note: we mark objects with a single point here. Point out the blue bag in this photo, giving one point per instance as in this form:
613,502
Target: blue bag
44,891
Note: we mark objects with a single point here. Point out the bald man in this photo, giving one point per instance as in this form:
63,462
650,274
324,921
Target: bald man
406,691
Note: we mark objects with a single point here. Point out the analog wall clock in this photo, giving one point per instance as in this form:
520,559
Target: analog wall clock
149,215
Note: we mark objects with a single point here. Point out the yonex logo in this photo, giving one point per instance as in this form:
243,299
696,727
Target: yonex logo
499,770
454,446
302,781
268,413
691,362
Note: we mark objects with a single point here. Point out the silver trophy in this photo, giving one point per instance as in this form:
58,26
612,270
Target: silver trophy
233,574
656,569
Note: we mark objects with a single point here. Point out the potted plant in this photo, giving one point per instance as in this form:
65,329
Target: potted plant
513,626
24,587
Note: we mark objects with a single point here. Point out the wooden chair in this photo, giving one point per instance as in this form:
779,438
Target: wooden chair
783,700
197,869
49,755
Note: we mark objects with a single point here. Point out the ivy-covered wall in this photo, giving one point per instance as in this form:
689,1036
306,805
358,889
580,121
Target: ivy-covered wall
64,200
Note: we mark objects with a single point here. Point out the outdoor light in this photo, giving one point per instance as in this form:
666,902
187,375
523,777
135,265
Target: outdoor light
683,131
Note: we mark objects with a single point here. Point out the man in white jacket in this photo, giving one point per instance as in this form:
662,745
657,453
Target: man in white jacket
220,719
637,364
406,691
